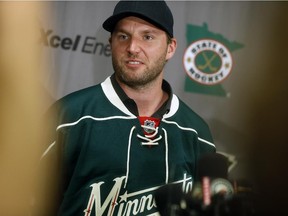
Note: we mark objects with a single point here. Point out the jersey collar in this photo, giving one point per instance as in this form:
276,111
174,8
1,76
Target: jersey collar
132,106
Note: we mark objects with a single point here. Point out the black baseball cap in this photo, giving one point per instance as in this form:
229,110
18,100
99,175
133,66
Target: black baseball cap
154,12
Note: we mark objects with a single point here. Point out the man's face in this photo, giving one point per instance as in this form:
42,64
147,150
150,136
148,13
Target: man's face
139,51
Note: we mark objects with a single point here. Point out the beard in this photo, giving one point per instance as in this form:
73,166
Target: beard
136,79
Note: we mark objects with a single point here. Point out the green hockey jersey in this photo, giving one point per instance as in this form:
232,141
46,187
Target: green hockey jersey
108,165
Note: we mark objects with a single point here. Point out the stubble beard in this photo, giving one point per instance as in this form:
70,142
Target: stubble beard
140,80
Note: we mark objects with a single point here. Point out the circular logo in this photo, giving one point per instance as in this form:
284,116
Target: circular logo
207,62
221,186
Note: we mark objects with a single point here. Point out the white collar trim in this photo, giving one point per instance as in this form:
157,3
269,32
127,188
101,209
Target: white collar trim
112,96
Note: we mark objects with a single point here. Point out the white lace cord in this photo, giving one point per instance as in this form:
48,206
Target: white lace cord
166,153
149,141
166,157
128,155
148,137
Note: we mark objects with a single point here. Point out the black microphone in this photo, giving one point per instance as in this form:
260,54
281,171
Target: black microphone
212,178
212,193
218,195
170,199
214,165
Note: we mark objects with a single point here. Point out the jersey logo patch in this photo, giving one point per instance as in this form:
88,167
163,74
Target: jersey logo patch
149,124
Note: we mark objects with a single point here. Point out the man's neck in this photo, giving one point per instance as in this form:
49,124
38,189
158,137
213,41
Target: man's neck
148,99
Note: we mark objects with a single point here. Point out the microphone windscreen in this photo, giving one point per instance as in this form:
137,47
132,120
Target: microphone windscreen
213,165
166,196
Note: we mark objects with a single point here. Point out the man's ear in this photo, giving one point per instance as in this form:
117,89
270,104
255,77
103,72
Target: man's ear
171,48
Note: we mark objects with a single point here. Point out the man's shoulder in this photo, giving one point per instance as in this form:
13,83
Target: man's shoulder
77,103
82,94
190,118
187,110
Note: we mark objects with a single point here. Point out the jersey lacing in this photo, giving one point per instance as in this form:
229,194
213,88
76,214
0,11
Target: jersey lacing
148,140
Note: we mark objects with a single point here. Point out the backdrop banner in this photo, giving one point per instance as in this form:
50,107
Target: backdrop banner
222,51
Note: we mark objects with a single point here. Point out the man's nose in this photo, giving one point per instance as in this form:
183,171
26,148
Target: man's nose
133,46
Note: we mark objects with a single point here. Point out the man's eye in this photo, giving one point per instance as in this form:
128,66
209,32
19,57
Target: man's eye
148,37
122,37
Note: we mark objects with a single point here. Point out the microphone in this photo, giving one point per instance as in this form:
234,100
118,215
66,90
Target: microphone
218,195
212,178
212,193
214,165
213,171
170,199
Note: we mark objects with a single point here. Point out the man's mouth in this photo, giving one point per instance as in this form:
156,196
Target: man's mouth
134,62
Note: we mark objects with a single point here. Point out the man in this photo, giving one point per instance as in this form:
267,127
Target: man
118,141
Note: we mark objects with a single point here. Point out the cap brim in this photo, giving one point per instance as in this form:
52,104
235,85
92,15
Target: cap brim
110,23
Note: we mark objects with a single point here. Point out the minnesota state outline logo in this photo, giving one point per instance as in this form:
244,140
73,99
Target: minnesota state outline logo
207,60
